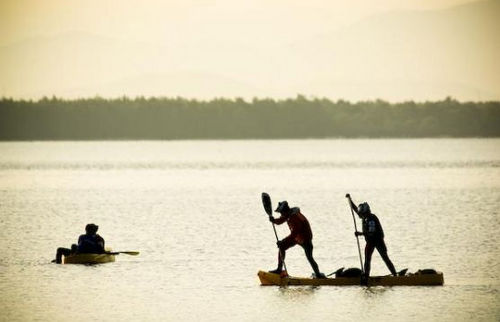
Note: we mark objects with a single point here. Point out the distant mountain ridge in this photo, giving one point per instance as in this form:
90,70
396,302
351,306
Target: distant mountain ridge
414,55
447,52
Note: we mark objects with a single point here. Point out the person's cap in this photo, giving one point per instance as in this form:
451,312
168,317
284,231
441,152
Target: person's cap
364,208
282,206
91,227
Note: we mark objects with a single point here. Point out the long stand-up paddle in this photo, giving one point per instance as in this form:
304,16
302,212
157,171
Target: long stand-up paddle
133,253
356,230
268,207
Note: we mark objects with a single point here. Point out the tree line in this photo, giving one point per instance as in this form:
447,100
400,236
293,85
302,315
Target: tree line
178,118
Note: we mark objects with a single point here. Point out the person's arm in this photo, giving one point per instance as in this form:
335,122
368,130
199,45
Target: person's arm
355,209
80,240
353,206
100,242
278,221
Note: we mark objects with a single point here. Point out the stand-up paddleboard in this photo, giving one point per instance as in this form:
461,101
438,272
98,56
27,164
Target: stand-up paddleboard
415,279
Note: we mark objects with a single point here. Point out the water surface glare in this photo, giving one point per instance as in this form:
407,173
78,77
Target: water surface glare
193,210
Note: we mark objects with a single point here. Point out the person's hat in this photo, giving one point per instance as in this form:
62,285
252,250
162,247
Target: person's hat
282,206
91,227
364,208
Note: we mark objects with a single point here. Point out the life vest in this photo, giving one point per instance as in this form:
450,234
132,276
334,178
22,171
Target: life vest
90,244
299,226
372,229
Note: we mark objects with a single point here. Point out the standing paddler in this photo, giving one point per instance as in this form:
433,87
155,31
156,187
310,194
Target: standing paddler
374,236
300,233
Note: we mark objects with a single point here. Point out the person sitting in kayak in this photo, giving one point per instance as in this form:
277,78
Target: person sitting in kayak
374,236
90,242
300,233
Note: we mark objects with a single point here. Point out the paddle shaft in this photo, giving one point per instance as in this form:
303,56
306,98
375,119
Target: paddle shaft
280,253
133,253
357,238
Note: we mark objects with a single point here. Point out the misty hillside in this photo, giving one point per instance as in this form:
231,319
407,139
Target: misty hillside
419,55
454,51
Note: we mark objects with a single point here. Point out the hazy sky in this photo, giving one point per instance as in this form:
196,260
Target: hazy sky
155,20
203,49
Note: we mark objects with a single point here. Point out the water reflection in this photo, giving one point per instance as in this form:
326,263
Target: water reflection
374,291
297,293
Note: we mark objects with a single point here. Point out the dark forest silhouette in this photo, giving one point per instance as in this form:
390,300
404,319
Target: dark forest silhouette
179,118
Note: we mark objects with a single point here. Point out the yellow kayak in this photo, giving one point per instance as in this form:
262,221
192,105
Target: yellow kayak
88,259
267,279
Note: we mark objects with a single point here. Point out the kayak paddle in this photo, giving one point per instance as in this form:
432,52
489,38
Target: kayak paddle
266,202
356,230
133,253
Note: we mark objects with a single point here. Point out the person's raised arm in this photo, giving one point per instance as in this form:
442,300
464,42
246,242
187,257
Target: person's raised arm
353,206
355,209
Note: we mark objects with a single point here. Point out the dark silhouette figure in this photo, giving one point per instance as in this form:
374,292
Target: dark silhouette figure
90,242
300,233
374,236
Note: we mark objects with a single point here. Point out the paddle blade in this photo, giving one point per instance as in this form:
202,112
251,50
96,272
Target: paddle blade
266,202
133,253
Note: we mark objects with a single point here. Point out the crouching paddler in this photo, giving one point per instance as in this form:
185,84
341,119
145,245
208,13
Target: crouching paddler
374,236
90,242
300,233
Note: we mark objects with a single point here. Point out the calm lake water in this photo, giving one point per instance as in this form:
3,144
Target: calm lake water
193,210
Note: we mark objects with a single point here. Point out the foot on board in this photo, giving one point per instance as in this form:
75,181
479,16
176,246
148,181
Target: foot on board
319,275
364,280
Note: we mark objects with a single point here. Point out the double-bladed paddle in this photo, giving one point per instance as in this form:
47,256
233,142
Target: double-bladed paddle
266,202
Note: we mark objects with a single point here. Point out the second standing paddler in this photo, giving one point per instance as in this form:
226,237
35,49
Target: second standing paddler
374,236
300,233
